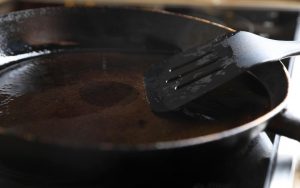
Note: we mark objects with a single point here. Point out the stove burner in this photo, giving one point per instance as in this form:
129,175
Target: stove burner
245,169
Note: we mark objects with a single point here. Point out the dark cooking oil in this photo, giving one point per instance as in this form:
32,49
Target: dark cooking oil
92,97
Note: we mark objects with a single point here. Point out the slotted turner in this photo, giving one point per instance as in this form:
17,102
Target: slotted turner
194,72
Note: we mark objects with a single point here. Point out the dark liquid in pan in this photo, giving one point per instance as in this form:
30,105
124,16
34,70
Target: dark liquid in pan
92,97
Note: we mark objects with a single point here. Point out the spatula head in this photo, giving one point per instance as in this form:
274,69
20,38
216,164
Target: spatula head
186,76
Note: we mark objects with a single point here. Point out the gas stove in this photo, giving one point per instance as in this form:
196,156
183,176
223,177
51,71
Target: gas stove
266,162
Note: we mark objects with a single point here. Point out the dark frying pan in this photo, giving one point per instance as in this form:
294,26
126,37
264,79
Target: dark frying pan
72,95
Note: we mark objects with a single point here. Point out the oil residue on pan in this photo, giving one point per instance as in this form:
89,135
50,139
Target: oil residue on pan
92,97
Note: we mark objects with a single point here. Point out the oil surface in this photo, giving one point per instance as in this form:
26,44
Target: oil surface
92,97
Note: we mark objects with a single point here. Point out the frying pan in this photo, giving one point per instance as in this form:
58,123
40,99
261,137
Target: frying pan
42,35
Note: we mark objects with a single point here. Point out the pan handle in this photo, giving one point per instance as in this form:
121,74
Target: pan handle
285,124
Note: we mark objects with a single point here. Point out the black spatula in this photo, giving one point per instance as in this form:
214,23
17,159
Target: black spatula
194,72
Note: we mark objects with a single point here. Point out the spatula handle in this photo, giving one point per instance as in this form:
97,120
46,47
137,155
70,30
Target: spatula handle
251,49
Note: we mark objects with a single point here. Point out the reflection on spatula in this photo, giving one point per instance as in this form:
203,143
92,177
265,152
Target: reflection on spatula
194,72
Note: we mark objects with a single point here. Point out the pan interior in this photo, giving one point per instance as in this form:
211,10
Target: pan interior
93,97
